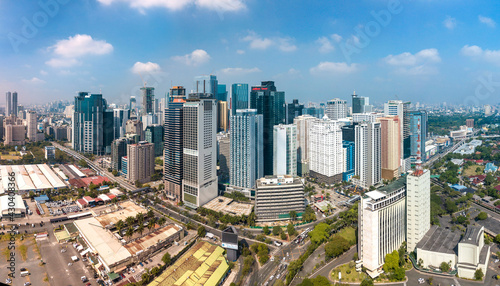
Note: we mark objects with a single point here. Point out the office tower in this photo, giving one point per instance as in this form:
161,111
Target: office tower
271,104
246,152
293,110
206,84
120,118
134,127
2,118
221,93
285,150
14,107
223,154
119,150
154,134
173,144
14,134
367,154
92,126
469,123
326,156
360,104
303,124
391,146
199,183
60,133
239,97
8,103
313,110
418,206
223,117
401,109
50,152
366,117
277,196
349,151
382,224
418,134
147,99
108,132
336,109
133,105
31,125
141,162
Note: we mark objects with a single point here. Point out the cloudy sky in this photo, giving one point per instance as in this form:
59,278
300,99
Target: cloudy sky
315,50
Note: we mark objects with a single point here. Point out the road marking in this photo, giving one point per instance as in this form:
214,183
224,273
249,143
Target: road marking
456,281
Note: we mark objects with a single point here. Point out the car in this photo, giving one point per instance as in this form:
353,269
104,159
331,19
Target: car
132,269
88,284
84,279
27,284
496,260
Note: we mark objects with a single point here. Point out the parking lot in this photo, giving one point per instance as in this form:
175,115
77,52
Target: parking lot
61,207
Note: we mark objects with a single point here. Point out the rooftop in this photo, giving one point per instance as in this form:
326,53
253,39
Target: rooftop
152,239
472,235
128,209
394,186
439,239
229,206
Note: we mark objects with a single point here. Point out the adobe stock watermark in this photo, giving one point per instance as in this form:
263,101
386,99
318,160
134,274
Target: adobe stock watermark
11,260
363,36
486,88
48,9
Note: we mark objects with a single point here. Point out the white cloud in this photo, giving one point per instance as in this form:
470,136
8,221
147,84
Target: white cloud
34,80
42,72
336,37
450,22
239,71
332,67
149,67
175,5
260,43
325,45
408,59
240,52
492,56
197,57
487,21
68,51
62,63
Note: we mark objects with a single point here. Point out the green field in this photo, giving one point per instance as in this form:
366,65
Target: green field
471,171
349,234
352,276
12,156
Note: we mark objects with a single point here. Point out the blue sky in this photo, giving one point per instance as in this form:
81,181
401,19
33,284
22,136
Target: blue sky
424,51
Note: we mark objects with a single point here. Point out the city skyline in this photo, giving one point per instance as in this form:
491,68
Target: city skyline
421,50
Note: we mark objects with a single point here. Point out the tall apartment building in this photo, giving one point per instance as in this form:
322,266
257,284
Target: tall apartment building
418,134
382,224
154,134
141,162
133,126
391,146
173,144
120,118
271,104
360,104
349,151
246,150
418,206
14,134
119,150
147,98
8,103
199,184
366,117
31,125
285,150
326,155
277,196
401,109
469,123
239,97
223,155
368,154
14,106
303,124
223,117
336,109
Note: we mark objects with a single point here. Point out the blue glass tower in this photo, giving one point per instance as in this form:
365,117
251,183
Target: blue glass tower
239,97
418,134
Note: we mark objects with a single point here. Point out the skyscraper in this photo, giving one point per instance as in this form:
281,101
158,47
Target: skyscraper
147,98
119,150
368,154
239,97
349,150
418,134
336,109
31,125
8,103
360,104
285,150
141,162
120,117
207,84
133,105
391,146
293,110
401,109
173,144
14,105
271,104
221,92
154,134
223,154
418,204
326,155
303,124
92,125
223,117
246,151
199,184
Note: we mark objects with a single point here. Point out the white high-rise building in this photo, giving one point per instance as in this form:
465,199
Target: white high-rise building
31,125
199,183
120,118
336,109
303,123
368,166
382,221
326,155
366,117
401,109
246,148
285,150
418,205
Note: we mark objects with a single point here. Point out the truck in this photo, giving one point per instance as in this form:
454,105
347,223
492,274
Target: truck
74,258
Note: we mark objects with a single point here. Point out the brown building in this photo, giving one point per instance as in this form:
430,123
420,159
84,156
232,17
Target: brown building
14,134
141,162
391,146
469,123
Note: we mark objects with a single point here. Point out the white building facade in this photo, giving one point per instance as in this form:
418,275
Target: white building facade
336,109
285,150
418,206
368,166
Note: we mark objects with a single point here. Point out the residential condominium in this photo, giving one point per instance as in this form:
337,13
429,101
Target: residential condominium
303,124
336,109
418,206
277,196
141,162
367,154
326,155
31,125
382,224
246,148
285,150
199,184
391,146
401,109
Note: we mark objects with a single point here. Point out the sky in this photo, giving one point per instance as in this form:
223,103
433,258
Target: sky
425,51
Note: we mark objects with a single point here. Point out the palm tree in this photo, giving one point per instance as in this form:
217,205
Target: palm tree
119,225
150,213
130,232
151,224
130,220
162,221
140,229
140,218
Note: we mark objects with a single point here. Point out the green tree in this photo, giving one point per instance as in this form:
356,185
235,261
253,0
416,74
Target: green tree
119,225
482,216
166,259
478,275
139,217
320,281
293,215
83,163
162,221
266,230
202,231
391,261
336,246
445,267
283,236
430,280
497,238
114,172
279,283
150,214
399,274
367,282
151,224
291,229
276,230
138,184
130,220
130,232
140,229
